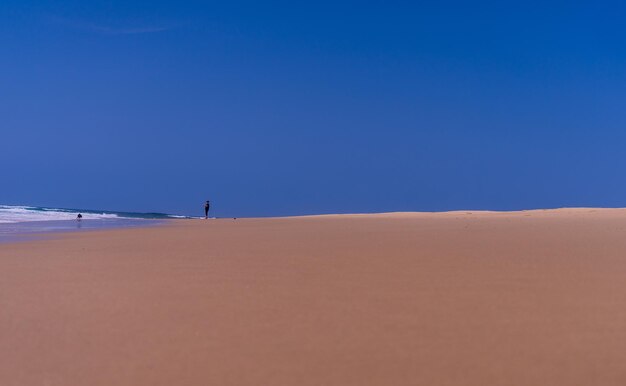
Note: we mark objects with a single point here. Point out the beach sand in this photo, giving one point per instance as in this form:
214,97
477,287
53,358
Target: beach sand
458,298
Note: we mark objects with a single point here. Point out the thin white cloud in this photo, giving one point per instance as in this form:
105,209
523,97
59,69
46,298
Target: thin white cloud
126,30
109,29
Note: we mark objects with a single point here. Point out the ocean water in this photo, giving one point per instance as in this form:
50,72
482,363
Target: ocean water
24,222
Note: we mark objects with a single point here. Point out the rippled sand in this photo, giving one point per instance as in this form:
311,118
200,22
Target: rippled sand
459,298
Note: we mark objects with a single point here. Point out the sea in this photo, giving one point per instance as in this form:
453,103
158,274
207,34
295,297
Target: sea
26,222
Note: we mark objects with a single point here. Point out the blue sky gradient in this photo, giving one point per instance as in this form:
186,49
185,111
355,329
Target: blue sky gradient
277,108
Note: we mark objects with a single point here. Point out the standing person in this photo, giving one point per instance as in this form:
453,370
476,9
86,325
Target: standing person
207,206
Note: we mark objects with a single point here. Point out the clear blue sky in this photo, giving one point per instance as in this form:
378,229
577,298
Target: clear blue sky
276,108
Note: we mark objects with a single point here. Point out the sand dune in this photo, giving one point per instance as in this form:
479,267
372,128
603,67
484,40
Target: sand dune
457,298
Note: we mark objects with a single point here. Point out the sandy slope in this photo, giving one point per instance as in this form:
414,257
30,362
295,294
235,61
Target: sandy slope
459,298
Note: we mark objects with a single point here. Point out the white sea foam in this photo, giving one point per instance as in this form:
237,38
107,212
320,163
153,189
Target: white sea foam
15,214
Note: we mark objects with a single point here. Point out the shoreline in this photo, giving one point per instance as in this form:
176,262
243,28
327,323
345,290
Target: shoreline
35,230
69,226
456,298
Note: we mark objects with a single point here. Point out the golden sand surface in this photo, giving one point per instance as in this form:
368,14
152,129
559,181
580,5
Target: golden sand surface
458,298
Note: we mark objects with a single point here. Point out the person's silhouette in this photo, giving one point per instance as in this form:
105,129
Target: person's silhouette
207,206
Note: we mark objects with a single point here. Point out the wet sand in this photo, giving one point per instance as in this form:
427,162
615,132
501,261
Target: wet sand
459,298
